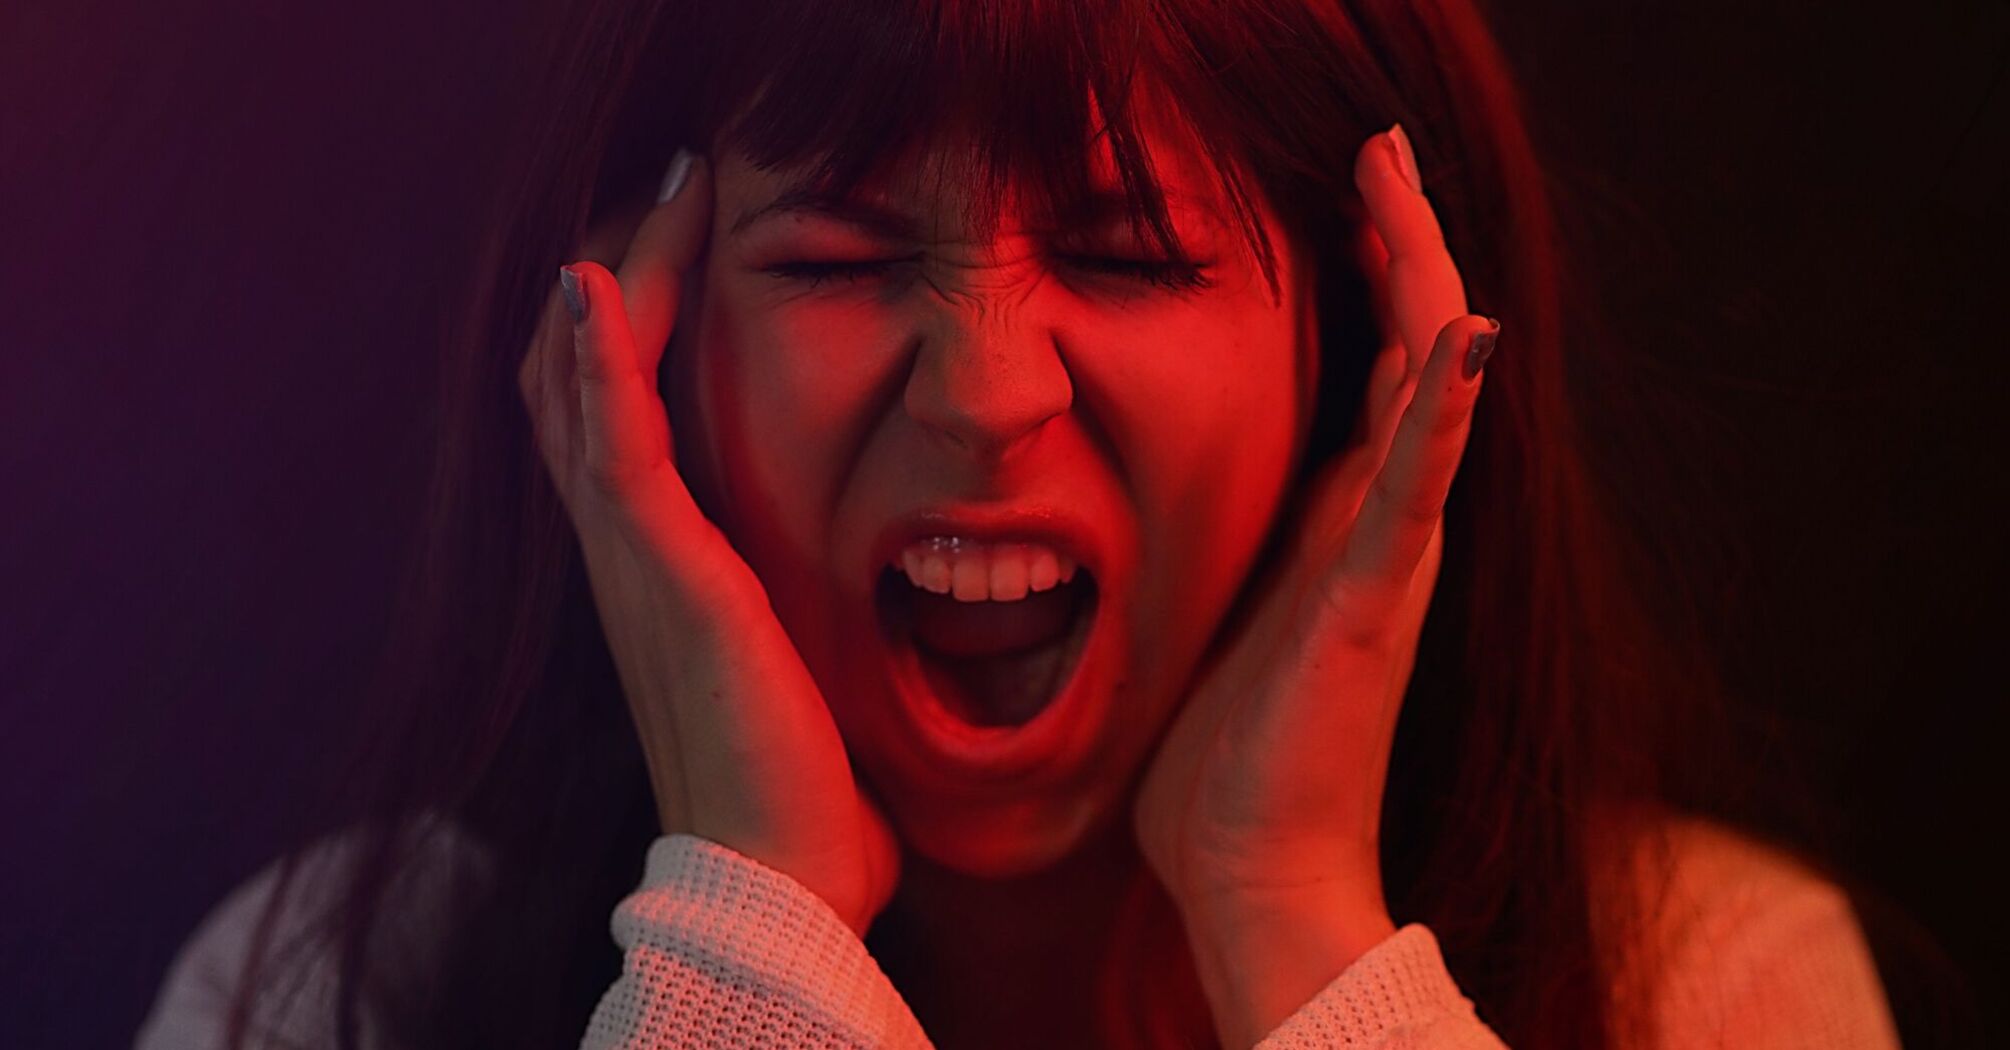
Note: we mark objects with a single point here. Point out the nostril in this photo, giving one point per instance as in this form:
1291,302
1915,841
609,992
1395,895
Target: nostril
986,396
989,445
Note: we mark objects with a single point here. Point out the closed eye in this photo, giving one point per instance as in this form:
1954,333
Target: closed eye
1174,274
848,271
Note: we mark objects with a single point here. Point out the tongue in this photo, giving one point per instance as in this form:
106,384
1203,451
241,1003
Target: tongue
996,690
995,663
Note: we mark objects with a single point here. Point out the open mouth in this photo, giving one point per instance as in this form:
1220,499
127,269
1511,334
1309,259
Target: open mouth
988,664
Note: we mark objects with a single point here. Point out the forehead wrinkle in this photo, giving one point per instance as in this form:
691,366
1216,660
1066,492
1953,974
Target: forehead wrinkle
991,304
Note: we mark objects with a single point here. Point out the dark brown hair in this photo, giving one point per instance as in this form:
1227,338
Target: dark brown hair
1546,688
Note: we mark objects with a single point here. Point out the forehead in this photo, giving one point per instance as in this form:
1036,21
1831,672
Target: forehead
952,176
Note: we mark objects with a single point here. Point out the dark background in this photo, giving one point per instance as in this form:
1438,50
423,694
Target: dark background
224,231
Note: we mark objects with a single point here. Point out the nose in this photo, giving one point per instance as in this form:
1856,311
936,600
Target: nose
985,381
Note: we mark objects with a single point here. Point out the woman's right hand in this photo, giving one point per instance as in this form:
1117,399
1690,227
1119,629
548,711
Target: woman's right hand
740,745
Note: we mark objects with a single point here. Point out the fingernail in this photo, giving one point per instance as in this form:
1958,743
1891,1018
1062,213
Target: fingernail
673,179
575,293
1406,158
1480,348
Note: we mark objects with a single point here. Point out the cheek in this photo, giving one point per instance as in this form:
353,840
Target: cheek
1204,418
785,397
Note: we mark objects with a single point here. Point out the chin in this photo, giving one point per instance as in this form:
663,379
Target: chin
1000,840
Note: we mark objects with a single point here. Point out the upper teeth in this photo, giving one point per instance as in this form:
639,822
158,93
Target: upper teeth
976,572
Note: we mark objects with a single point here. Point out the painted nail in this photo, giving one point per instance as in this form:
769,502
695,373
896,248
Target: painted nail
1406,158
673,179
575,293
1480,348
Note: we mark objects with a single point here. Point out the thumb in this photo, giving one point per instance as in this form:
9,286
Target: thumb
624,432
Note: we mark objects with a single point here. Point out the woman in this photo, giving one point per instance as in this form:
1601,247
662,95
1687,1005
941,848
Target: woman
1010,459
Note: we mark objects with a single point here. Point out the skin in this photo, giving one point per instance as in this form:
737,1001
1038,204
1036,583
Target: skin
741,622
992,372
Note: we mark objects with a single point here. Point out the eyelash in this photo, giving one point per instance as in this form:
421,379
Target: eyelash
1174,275
816,273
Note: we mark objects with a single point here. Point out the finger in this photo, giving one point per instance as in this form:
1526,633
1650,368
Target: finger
1405,504
1425,288
1389,392
625,437
544,379
547,376
665,247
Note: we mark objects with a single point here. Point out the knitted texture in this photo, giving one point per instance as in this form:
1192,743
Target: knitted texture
1761,953
1398,994
723,951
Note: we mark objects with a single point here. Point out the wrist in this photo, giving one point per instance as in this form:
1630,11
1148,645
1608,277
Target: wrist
1262,954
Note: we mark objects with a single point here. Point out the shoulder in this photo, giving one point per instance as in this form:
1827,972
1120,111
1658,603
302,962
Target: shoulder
1692,875
296,1001
1730,939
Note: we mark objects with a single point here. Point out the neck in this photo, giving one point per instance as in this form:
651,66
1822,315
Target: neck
983,960
954,908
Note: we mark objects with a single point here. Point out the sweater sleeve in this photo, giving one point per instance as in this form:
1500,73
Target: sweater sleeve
720,950
723,951
1399,994
1750,949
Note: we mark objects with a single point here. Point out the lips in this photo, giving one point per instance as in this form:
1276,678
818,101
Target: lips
991,689
1048,525
989,664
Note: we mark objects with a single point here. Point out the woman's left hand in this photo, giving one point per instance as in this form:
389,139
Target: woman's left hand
1261,812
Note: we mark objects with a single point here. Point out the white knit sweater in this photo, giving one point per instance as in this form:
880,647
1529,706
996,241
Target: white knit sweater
721,951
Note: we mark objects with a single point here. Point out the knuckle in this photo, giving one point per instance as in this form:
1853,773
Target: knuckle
621,480
603,369
529,384
1412,505
1351,615
592,365
1385,490
611,477
1423,508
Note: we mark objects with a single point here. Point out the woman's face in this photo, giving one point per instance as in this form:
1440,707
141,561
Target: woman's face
864,384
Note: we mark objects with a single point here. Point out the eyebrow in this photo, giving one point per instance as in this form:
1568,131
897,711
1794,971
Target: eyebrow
799,200
1098,208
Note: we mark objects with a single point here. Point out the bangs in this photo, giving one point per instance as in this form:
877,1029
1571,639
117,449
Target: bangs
1030,90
